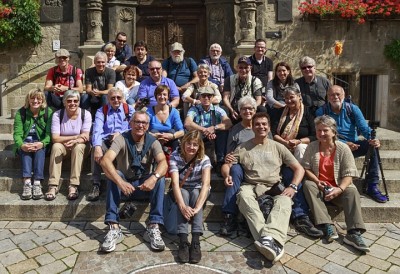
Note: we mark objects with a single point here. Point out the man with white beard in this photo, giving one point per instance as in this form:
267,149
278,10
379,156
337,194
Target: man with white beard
220,68
182,70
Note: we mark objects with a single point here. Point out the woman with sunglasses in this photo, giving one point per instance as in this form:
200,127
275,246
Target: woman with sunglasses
190,171
31,136
129,85
165,122
70,132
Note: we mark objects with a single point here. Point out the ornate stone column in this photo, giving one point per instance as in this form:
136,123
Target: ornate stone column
95,24
94,39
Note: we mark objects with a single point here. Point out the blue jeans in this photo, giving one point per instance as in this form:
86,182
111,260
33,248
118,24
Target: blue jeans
156,197
300,206
35,159
373,170
229,205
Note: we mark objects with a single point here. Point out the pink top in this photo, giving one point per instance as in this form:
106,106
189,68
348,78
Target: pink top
69,127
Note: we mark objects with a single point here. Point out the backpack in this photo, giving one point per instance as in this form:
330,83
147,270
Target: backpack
22,112
57,74
349,109
126,111
188,64
62,111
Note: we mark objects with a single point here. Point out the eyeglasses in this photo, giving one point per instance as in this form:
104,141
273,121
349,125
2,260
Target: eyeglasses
115,97
121,41
70,101
152,69
247,109
206,95
307,67
140,122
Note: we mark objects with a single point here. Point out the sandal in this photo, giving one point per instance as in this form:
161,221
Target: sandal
72,195
51,193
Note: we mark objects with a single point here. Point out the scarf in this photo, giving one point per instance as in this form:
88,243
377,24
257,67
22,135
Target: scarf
292,128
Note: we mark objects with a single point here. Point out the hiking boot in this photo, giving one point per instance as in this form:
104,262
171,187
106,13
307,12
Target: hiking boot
113,237
330,232
354,239
304,225
183,252
195,253
27,192
229,226
94,194
376,194
269,248
37,193
153,236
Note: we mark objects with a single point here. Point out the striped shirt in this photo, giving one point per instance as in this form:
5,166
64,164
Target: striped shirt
176,162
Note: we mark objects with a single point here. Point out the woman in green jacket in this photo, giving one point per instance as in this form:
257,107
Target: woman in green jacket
32,126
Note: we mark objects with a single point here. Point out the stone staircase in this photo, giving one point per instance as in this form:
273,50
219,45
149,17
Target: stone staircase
13,208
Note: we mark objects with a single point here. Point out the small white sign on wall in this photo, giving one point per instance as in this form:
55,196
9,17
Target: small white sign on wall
56,45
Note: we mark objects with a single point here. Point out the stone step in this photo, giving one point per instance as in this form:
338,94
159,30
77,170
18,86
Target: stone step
10,180
60,209
390,160
6,141
6,124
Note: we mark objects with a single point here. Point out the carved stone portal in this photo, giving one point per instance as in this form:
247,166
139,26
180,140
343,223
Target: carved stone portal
247,15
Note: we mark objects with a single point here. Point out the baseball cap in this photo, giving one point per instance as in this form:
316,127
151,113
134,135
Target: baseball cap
206,90
244,59
62,52
177,46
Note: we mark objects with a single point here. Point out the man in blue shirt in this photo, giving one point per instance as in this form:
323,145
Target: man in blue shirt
147,86
111,120
212,121
349,120
219,66
183,71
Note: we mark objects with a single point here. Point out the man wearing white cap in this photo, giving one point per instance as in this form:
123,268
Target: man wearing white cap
183,70
61,78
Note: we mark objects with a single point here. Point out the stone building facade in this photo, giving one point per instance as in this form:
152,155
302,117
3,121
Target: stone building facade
373,81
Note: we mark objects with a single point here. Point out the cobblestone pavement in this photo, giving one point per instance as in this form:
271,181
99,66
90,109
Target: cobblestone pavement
72,247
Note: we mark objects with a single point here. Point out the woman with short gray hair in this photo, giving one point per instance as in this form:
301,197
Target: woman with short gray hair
69,132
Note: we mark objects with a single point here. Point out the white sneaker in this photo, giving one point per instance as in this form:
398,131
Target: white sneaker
27,192
153,236
37,192
113,237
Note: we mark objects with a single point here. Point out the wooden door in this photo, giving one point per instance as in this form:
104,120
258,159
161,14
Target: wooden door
160,28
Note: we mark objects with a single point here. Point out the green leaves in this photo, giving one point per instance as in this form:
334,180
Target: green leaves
392,52
19,23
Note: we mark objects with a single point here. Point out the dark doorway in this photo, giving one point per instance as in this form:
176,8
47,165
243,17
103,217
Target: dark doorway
161,25
368,95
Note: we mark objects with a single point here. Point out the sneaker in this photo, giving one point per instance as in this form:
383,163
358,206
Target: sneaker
27,192
113,237
183,252
355,240
304,225
195,253
94,194
37,193
330,232
153,236
229,226
269,248
376,194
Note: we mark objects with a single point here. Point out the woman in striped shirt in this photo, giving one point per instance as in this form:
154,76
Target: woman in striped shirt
190,171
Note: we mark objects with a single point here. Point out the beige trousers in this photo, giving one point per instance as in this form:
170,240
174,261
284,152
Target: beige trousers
349,200
278,221
58,154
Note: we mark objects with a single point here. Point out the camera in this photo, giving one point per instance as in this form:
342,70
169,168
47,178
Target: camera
328,189
108,140
127,210
143,102
374,124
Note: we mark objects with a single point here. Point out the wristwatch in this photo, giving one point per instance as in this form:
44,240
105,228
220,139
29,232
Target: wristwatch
294,187
157,175
216,127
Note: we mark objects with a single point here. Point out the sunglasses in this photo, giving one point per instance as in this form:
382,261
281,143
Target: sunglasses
154,69
70,101
307,67
115,97
121,41
206,95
